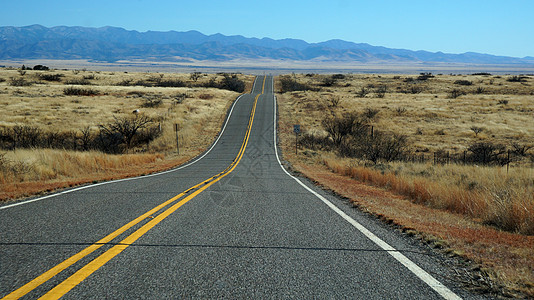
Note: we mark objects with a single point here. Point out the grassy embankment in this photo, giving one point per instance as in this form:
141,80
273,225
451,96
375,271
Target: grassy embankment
480,212
44,101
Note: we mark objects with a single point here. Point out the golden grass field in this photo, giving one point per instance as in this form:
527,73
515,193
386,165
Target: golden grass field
483,213
198,111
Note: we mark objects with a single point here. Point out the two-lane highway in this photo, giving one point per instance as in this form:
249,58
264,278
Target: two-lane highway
232,224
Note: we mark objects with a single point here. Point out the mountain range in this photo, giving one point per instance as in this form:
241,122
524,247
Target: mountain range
113,43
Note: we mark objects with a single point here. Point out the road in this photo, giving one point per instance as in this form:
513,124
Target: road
232,224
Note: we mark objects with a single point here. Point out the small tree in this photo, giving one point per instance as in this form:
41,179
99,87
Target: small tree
485,152
127,127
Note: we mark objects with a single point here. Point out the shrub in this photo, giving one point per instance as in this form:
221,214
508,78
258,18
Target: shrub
78,81
315,142
375,146
125,129
400,110
370,113
340,127
195,76
455,93
381,91
425,76
232,83
289,84
516,78
463,82
330,80
149,102
75,91
486,153
205,96
414,89
477,129
19,82
362,92
50,77
480,90
170,83
41,68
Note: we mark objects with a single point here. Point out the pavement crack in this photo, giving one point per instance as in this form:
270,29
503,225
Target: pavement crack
214,246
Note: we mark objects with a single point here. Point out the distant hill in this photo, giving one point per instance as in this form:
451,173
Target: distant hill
112,44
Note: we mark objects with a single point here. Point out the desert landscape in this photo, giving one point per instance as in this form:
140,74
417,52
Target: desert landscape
61,128
401,147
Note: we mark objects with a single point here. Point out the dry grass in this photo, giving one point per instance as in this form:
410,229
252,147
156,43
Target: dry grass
443,123
464,207
198,111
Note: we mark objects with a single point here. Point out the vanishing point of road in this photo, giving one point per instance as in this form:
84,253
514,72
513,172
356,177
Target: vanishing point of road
231,224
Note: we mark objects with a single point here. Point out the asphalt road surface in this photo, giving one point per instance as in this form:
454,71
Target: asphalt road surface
233,224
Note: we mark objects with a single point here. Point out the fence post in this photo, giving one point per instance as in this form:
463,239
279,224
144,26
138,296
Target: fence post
176,131
508,162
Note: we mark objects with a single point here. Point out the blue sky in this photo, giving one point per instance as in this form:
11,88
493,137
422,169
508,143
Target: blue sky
504,27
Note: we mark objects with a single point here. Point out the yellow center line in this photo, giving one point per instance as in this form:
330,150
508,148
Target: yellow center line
91,267
69,283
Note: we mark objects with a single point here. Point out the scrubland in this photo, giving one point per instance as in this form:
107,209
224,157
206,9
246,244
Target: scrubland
60,128
448,156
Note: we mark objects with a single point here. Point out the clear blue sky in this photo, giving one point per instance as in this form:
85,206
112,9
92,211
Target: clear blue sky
504,27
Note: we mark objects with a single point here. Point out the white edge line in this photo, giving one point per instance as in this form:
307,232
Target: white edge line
133,178
437,286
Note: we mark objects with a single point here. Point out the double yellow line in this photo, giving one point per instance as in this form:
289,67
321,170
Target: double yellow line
69,283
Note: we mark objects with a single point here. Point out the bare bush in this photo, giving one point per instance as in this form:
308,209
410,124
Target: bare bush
340,127
126,128
486,153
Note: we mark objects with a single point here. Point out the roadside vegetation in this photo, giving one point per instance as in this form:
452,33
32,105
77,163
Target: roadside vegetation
459,145
62,128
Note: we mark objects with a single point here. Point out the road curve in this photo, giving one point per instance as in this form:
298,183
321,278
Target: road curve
233,224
